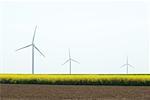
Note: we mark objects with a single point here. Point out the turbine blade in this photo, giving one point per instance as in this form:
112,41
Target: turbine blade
39,51
130,65
75,61
24,47
69,53
34,34
65,62
123,65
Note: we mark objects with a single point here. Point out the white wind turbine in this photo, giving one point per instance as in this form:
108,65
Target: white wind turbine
127,65
33,47
70,61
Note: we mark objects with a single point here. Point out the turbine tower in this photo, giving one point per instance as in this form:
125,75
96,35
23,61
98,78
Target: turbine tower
33,47
127,65
70,61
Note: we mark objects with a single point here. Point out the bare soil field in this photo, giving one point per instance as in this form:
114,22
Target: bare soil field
70,92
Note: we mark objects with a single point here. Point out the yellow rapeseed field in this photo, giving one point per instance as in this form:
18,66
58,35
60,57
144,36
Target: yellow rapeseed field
77,79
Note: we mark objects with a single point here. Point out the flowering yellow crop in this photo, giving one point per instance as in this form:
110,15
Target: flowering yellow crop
76,79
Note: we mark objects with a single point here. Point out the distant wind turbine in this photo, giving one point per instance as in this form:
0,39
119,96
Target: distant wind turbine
127,65
70,62
33,46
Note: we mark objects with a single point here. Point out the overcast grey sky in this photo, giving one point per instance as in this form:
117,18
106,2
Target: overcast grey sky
99,34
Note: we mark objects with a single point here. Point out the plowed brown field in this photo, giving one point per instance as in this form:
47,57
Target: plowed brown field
61,92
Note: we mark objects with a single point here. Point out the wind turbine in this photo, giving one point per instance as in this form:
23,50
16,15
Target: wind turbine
127,65
33,47
70,61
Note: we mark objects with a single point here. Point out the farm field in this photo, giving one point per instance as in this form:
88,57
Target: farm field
72,92
77,79
74,87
